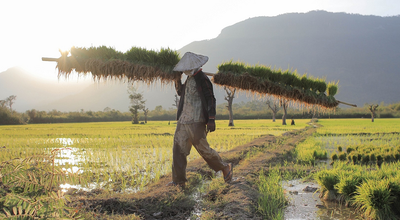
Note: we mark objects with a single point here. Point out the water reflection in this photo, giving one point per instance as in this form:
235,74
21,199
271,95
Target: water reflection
64,141
308,205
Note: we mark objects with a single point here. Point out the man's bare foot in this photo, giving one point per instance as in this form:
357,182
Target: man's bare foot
228,172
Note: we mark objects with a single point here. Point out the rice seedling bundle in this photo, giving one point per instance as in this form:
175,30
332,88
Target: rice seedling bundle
139,64
281,84
107,63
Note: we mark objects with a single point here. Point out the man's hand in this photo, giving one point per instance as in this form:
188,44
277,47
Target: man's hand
211,125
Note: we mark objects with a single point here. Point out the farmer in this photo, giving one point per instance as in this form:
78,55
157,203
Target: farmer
196,117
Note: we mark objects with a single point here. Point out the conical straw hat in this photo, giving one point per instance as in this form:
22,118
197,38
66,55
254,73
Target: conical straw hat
190,61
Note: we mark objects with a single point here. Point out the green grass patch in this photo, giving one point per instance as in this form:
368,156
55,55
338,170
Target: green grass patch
272,201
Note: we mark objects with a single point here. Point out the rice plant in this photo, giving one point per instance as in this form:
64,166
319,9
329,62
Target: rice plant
29,188
309,151
272,201
374,199
120,156
287,84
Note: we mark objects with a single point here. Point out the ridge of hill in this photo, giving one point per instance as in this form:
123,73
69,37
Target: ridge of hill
360,52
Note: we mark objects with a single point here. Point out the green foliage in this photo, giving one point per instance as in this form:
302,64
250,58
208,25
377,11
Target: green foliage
165,58
327,179
348,183
374,199
342,156
367,154
286,77
309,151
332,89
373,191
9,118
137,104
101,52
272,201
29,187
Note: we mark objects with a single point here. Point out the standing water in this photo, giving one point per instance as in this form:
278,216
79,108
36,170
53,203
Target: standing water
304,203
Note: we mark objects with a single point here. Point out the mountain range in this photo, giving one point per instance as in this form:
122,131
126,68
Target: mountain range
361,53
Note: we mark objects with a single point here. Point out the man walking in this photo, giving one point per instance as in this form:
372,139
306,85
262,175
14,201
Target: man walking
196,117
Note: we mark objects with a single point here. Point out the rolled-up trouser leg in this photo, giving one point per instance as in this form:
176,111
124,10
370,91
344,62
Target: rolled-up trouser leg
180,151
199,140
187,135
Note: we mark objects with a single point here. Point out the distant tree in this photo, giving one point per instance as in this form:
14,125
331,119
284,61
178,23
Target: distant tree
176,101
107,109
137,104
284,104
158,109
146,112
372,108
230,94
10,101
274,106
32,114
3,103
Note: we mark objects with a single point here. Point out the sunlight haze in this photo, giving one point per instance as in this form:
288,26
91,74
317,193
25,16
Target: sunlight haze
31,30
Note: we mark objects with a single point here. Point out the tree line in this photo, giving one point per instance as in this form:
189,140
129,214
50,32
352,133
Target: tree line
139,113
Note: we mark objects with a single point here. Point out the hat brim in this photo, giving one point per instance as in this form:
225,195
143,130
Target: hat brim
190,61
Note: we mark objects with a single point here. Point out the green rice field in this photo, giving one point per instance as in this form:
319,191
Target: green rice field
365,159
120,155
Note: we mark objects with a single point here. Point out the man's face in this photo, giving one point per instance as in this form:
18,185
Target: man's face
188,72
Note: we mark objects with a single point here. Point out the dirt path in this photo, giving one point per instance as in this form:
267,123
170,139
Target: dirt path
238,198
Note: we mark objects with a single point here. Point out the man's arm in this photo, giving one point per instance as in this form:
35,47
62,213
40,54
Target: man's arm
178,86
208,92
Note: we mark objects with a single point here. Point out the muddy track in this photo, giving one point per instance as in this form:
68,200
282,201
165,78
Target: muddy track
240,196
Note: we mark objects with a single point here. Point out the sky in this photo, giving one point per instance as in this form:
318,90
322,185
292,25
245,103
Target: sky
30,30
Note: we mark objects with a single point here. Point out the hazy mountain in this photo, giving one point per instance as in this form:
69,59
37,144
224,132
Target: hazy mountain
113,94
70,95
33,92
361,52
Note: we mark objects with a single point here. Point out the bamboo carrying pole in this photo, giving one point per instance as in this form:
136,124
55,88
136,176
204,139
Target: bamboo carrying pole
49,59
207,73
344,103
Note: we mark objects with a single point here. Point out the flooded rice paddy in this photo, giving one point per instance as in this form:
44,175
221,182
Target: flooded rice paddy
304,203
